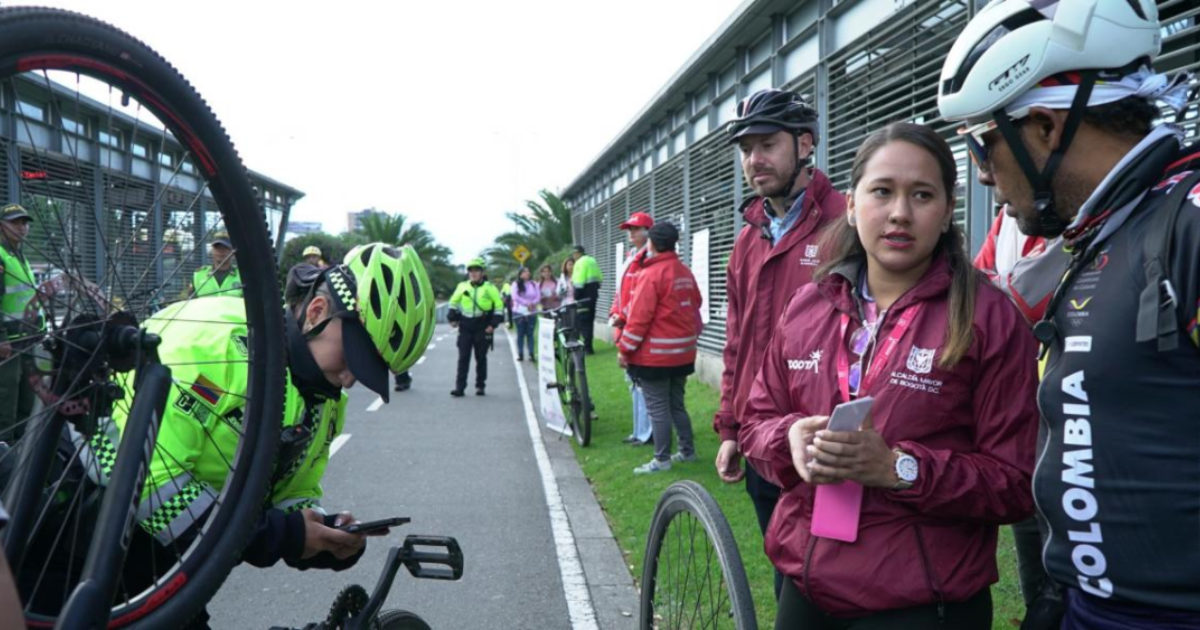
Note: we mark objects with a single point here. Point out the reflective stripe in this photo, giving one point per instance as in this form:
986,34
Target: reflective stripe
672,350
632,336
167,514
673,341
628,345
300,503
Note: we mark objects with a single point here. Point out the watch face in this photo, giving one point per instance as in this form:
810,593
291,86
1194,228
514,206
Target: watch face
906,468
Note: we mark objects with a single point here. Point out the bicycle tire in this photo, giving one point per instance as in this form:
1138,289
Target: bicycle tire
43,40
582,409
687,509
400,620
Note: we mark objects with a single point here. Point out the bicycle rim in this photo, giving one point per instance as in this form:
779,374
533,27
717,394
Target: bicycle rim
129,175
693,575
583,401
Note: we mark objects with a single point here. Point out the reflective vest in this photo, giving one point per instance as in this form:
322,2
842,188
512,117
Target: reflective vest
200,429
18,291
476,301
205,283
586,271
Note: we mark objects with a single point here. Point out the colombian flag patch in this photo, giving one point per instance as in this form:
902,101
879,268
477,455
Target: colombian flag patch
206,390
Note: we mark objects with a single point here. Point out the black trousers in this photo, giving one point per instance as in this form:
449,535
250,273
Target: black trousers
472,338
585,314
797,613
764,495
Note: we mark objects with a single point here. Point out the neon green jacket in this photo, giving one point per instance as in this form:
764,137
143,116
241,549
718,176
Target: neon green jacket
16,290
205,283
204,345
472,301
586,271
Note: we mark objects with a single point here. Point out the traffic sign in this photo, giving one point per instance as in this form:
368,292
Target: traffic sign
522,253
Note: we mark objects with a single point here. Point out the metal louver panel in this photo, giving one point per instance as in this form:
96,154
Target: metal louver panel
714,178
63,195
604,252
1181,51
806,86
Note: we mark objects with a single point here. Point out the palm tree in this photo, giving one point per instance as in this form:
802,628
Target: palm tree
545,230
395,229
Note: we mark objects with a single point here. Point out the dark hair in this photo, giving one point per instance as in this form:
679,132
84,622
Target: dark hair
520,280
1130,116
566,261
842,240
579,248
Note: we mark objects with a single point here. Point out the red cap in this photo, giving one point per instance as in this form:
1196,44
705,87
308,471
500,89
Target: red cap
638,219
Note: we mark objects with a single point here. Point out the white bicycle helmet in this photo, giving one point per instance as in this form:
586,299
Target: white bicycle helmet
1011,46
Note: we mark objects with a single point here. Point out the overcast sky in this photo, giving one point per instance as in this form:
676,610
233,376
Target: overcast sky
451,113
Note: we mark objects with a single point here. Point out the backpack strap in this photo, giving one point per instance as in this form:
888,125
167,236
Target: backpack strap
1158,301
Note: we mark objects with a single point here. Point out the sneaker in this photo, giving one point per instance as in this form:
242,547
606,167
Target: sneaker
520,357
457,393
652,466
680,458
630,439
479,391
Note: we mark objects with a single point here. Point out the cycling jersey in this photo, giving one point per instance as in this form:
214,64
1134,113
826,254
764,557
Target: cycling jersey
1118,480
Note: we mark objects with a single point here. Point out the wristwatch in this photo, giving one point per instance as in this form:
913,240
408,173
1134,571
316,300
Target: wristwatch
906,470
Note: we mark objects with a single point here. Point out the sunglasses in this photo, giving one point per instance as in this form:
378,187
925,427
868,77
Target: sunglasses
860,343
981,153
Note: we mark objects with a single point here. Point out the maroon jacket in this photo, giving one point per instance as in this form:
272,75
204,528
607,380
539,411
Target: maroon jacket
664,323
759,280
972,429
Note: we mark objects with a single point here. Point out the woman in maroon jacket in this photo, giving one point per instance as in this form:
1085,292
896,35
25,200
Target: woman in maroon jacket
946,454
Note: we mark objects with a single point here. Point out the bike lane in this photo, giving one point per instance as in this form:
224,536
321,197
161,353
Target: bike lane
465,468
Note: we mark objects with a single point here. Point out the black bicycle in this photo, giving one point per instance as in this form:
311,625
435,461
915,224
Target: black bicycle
692,575
425,557
127,174
571,371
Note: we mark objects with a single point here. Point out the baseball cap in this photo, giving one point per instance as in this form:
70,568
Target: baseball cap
638,219
312,250
364,361
14,211
664,235
221,238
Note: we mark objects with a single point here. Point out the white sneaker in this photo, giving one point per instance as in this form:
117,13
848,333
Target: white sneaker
652,466
680,458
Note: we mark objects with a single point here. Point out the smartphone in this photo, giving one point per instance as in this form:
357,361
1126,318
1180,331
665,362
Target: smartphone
370,527
849,416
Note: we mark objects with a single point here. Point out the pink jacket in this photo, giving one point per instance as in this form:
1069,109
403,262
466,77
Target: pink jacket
972,429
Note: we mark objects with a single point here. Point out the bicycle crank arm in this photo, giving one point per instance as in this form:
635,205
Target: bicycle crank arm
447,565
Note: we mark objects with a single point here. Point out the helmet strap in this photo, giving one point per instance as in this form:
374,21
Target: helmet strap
801,164
1043,182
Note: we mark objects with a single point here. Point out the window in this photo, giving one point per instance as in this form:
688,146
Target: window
760,81
29,110
166,159
727,79
112,138
187,167
700,127
760,52
141,150
73,126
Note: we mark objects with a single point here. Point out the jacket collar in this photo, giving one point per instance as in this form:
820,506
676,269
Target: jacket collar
754,211
646,259
840,286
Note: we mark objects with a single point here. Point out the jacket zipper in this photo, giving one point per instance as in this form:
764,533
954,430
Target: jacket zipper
933,586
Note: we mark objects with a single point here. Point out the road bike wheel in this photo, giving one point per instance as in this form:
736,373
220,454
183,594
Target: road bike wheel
400,620
128,174
693,575
583,407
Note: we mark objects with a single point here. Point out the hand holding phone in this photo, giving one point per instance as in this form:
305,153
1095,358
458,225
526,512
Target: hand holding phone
374,528
849,416
837,507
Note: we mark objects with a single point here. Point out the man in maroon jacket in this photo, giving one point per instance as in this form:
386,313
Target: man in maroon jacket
775,254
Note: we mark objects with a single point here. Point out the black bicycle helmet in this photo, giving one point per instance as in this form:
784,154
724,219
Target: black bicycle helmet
769,111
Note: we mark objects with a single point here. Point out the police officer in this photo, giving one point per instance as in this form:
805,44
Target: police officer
16,290
220,278
586,279
476,308
312,255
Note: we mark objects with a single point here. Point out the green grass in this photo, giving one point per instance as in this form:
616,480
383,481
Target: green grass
628,500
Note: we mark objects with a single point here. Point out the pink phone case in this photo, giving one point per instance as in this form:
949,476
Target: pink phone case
836,509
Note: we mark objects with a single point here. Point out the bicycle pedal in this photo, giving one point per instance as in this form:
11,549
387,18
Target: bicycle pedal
433,565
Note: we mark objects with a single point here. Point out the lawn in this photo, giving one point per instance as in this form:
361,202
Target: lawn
628,500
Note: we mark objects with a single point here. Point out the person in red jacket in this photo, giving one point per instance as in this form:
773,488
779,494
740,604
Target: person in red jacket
775,254
658,345
945,456
638,225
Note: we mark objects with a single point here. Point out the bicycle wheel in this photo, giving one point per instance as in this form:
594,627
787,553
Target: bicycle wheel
583,399
400,620
128,175
692,575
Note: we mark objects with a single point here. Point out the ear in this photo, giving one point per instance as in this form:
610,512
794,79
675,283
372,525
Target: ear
805,145
850,207
1045,128
317,310
949,214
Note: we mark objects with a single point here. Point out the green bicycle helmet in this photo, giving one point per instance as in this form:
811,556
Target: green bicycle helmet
476,262
394,302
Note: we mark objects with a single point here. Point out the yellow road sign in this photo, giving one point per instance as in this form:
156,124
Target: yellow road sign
522,253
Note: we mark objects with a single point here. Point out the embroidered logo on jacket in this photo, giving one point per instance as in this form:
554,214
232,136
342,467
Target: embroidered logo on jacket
811,364
810,256
920,360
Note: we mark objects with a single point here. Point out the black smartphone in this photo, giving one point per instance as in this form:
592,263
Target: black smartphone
370,527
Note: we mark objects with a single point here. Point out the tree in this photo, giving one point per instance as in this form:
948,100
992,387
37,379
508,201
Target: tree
333,249
395,229
545,230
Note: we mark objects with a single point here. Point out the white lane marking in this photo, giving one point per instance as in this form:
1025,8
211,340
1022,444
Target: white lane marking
431,346
338,442
421,360
579,599
376,405
440,337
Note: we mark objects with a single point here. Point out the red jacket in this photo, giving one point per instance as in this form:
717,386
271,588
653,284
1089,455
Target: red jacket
759,280
972,429
664,314
621,301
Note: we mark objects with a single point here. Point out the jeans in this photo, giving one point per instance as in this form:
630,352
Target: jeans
641,417
525,328
664,403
